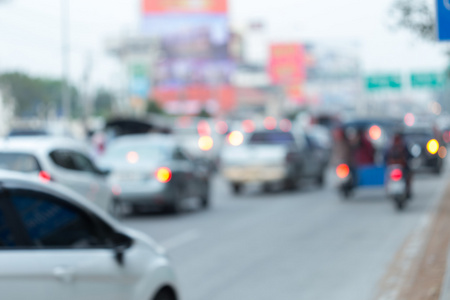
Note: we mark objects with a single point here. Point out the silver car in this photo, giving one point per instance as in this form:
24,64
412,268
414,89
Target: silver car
61,160
151,171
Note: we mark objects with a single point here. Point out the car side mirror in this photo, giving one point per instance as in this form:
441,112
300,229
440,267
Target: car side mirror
121,244
103,172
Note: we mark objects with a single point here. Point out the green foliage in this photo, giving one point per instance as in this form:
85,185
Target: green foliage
416,16
103,103
204,114
35,96
154,108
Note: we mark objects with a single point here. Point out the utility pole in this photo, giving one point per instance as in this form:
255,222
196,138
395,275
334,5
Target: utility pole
65,59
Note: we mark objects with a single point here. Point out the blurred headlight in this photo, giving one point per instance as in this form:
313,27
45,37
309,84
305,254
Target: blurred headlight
236,138
205,143
433,146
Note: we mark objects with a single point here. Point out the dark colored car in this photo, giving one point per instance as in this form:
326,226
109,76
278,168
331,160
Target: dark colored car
424,156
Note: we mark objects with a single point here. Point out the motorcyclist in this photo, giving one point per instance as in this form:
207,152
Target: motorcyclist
364,152
398,154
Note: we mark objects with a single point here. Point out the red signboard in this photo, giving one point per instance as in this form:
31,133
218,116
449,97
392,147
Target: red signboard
185,6
287,63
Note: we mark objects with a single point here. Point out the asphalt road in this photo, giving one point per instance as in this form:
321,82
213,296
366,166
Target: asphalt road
307,244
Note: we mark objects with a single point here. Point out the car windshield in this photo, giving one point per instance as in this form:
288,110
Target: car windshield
271,138
20,162
136,152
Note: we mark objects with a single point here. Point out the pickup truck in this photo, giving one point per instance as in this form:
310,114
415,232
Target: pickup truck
272,158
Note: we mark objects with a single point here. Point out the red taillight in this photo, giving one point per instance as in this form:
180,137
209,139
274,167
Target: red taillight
163,175
248,126
342,171
396,175
45,176
116,190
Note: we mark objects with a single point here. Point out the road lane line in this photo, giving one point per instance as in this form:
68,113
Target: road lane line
181,239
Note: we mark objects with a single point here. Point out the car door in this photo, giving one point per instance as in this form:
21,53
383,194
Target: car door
71,249
315,156
185,169
26,273
98,190
75,170
67,173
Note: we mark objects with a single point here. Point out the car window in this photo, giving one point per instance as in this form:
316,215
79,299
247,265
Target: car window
20,162
6,234
133,151
51,223
83,163
179,154
63,159
271,138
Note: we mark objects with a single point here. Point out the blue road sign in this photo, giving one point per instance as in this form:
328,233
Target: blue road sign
443,19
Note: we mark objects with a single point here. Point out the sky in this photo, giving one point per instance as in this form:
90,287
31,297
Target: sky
30,33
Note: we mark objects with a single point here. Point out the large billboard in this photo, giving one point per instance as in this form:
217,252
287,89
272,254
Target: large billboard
185,6
194,42
287,68
287,63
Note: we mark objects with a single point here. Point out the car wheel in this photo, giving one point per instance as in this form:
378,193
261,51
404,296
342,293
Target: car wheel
438,169
117,208
204,199
290,184
320,180
175,206
237,188
400,203
165,294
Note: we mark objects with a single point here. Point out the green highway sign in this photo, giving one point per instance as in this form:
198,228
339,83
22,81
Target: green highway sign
383,82
427,80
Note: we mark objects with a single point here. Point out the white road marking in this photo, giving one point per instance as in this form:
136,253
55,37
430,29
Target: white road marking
181,239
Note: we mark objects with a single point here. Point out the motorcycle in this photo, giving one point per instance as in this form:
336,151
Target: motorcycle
396,186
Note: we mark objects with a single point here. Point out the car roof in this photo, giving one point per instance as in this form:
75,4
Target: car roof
153,138
364,123
39,144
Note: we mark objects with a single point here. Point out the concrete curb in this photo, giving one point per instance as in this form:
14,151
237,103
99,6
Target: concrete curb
445,289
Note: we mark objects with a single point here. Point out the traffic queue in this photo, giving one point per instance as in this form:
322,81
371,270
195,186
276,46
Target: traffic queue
62,196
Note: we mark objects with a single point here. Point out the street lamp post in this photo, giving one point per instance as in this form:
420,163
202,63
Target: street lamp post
65,58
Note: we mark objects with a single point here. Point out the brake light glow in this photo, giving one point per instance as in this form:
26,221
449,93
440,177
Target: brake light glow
205,143
433,146
270,123
163,175
442,152
446,136
45,176
248,126
409,119
221,127
235,138
375,132
116,190
396,175
132,157
342,171
285,125
203,128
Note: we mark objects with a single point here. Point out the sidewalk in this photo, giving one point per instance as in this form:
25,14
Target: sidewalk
427,280
445,291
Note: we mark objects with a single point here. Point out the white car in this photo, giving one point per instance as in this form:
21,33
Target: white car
56,159
57,245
